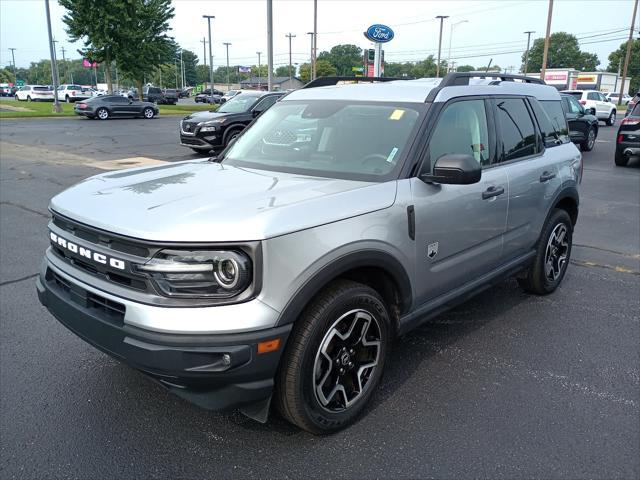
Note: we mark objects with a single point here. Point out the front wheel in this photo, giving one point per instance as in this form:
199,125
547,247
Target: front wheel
17,98
148,113
589,142
102,113
552,255
334,358
67,99
28,98
612,118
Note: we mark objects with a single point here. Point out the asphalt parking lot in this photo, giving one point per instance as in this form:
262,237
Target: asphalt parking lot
505,386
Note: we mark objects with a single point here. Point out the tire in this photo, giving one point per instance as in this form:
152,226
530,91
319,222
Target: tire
102,113
17,98
621,160
67,99
588,144
558,233
231,134
28,98
612,118
343,307
148,113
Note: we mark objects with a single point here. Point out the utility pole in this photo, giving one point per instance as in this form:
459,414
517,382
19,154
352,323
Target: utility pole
204,51
441,17
628,55
54,71
15,77
315,40
526,54
181,71
259,71
175,64
269,45
289,36
311,57
546,41
226,44
209,17
450,39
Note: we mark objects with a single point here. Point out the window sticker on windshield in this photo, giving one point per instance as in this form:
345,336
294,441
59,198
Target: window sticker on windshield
392,154
396,114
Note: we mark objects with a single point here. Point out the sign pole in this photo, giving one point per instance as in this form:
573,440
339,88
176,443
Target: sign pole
377,59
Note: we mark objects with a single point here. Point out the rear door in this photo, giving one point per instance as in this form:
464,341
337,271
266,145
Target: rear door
459,228
531,170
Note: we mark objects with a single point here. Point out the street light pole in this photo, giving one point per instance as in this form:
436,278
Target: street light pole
52,52
441,17
259,71
311,56
628,54
315,40
226,44
209,17
546,41
451,37
204,51
526,54
181,71
289,36
269,45
13,58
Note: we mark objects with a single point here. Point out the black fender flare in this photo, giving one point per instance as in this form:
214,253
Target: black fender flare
230,129
341,265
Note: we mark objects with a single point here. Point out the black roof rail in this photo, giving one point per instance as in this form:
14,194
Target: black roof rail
326,81
463,78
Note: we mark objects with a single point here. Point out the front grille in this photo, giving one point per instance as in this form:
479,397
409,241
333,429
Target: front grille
188,128
106,309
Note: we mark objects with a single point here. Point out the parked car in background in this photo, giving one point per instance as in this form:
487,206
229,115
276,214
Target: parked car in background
171,96
583,124
97,92
155,95
185,92
205,131
605,110
632,103
6,90
230,94
108,106
204,96
628,138
613,98
72,92
34,93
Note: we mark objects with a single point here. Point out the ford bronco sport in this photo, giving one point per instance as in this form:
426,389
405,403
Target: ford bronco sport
279,271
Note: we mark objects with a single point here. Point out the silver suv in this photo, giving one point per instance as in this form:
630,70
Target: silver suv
344,216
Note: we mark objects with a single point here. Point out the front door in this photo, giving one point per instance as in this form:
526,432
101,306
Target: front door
459,228
574,114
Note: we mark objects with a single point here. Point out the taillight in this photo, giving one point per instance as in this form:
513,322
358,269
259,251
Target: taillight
630,121
82,106
583,102
620,138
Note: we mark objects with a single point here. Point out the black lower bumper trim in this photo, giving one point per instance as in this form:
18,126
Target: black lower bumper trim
216,372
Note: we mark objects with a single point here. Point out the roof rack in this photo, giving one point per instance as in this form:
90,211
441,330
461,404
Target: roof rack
327,81
463,78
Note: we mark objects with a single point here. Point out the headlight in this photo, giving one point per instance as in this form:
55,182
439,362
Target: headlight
199,273
208,128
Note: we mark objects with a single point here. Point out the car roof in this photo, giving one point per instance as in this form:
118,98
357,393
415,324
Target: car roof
417,91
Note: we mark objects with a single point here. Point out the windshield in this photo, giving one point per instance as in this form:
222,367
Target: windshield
238,104
336,139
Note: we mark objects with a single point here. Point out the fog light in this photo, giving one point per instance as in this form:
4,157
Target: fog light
226,359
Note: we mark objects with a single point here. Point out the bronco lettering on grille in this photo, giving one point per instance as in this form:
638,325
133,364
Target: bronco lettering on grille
85,252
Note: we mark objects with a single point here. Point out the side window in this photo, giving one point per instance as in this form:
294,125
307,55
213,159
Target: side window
462,128
574,106
516,129
592,96
553,110
602,97
265,103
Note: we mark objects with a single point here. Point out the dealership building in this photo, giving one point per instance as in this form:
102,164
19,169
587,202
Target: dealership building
570,79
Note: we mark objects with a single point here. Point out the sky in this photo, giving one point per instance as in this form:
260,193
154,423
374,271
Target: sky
493,28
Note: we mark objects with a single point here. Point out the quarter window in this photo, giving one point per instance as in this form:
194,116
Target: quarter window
553,110
265,103
592,96
462,128
516,129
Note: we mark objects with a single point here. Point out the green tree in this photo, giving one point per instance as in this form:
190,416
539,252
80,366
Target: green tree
98,25
190,61
323,69
398,69
283,71
616,63
6,76
142,40
343,58
564,52
466,68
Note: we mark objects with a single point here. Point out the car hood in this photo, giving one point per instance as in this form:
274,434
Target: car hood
201,201
204,116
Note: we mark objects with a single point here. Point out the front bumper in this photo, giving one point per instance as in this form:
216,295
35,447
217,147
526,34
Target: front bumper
201,142
213,371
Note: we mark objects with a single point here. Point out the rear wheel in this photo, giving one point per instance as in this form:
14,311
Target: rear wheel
148,113
67,99
552,255
17,98
102,113
28,98
612,118
621,160
590,141
334,358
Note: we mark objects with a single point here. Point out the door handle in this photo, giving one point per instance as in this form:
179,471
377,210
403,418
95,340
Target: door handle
492,191
546,176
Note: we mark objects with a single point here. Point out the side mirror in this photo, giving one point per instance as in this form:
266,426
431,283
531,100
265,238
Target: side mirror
455,169
591,111
255,113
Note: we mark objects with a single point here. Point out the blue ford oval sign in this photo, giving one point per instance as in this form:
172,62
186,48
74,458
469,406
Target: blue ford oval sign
379,33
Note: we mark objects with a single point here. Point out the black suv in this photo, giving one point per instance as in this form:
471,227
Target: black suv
155,95
583,124
205,95
213,130
628,138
